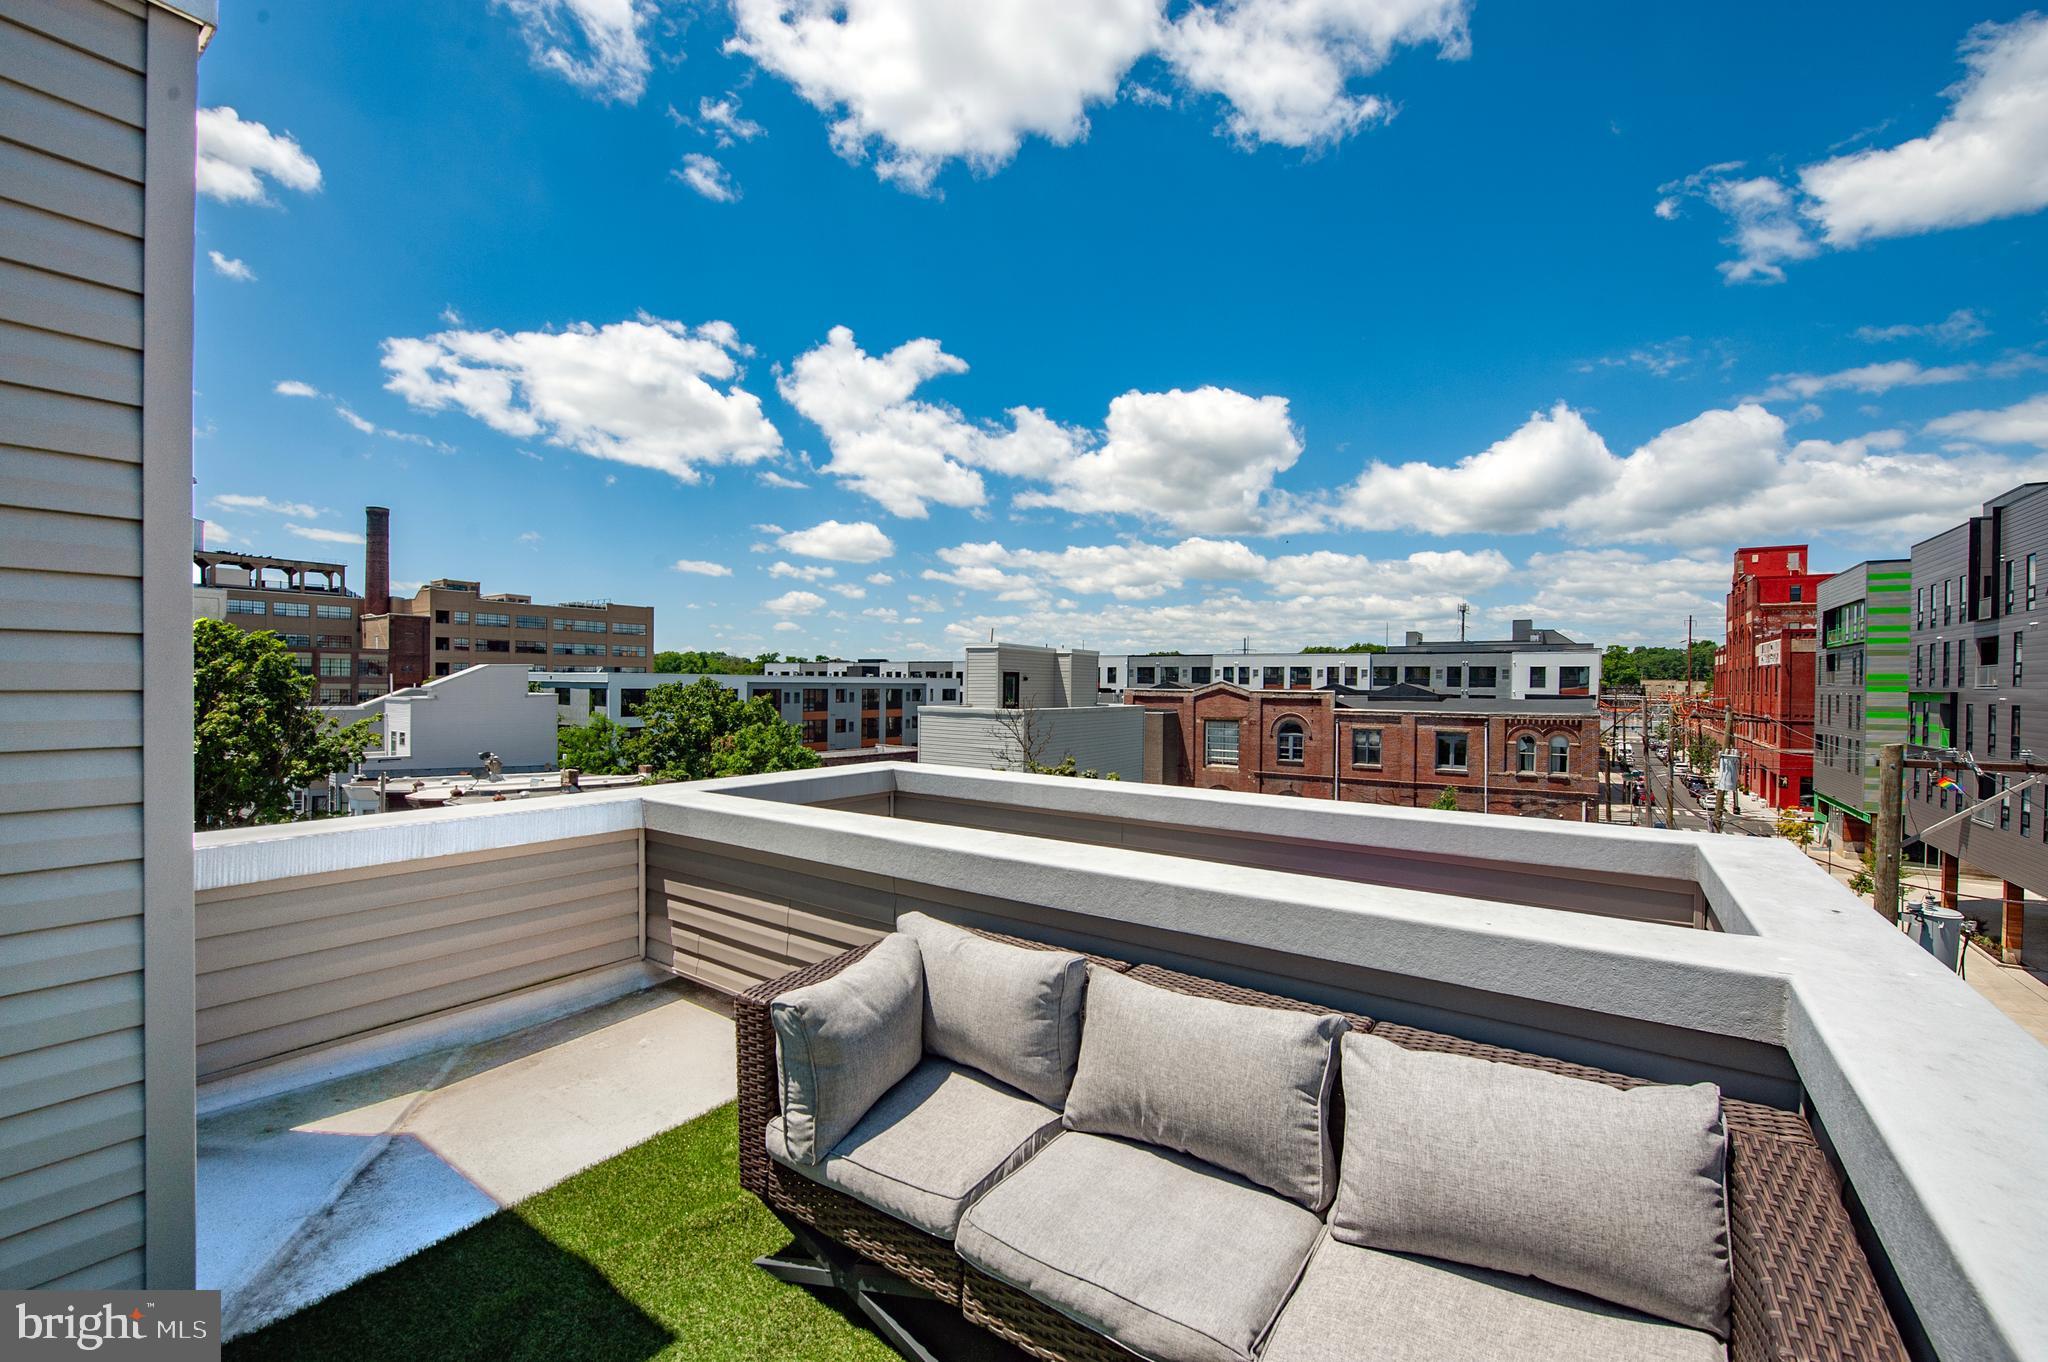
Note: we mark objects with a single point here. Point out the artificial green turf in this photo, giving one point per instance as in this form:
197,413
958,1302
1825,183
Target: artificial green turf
646,1255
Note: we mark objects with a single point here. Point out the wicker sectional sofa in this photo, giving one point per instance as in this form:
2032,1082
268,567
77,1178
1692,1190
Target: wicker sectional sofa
1092,1160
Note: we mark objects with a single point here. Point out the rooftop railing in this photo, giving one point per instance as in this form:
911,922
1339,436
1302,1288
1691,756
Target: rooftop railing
1670,955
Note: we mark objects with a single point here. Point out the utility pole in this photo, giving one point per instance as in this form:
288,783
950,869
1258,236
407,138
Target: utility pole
1670,785
1727,745
1649,794
1688,659
1891,765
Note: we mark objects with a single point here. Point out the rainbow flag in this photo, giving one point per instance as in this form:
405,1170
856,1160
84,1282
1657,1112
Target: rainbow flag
1947,783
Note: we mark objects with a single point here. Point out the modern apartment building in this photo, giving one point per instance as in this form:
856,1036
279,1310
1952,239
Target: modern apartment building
1024,705
848,713
1404,746
307,604
1531,663
1764,672
946,669
1974,704
1859,690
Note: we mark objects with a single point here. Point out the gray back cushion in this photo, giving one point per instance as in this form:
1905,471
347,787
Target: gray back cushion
842,1043
1012,1012
1620,1195
1244,1088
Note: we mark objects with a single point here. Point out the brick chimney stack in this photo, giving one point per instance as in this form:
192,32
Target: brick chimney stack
376,560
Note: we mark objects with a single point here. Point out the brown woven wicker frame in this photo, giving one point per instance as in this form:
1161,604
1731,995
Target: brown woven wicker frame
1803,1289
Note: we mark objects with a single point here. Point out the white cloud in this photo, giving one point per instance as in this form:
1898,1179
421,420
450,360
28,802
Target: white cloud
1201,460
1959,328
807,573
648,392
768,477
368,427
323,536
531,538
721,117
596,45
1577,587
1866,378
860,541
705,175
902,452
1519,483
701,567
2022,423
291,387
1286,67
794,603
217,533
884,613
1986,159
852,593
450,316
787,627
236,501
918,83
880,579
229,268
236,157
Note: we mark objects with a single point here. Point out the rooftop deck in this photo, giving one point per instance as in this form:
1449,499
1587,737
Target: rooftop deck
327,950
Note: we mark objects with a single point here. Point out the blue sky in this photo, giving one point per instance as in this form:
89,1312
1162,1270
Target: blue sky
868,328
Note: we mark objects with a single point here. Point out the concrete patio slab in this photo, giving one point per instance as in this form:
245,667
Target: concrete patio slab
304,1193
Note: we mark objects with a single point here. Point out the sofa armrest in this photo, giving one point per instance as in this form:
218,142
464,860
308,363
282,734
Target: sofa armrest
760,1094
1804,1291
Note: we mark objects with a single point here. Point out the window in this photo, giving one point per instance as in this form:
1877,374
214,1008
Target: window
635,630
870,729
2017,745
2030,581
1573,678
579,649
1798,593
1219,742
335,612
1969,727
1560,755
1013,690
461,645
629,650
1539,677
1415,676
1450,751
1525,755
297,610
530,621
1111,675
1383,676
2008,586
1144,676
336,641
297,640
441,644
335,666
2004,802
1289,743
2019,643
1351,676
815,699
1170,675
872,699
1991,729
1271,678
1365,747
440,669
462,617
1484,678
529,645
814,732
491,619
440,617
334,695
240,607
494,645
1297,676
1454,677
574,626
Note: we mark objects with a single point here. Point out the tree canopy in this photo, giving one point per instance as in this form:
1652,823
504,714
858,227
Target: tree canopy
1347,648
690,732
697,661
1621,666
255,734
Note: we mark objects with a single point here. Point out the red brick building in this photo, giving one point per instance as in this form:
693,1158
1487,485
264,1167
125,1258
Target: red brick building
1765,670
1403,746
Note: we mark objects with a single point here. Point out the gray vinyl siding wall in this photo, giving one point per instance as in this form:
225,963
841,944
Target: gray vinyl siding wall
2022,529
95,464
1101,738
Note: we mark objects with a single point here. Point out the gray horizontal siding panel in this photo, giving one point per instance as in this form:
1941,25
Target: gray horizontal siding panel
31,358
70,190
55,128
64,424
66,721
64,1130
98,603
48,1194
52,1016
73,1243
112,32
40,481
66,955
62,245
35,781
122,1272
57,302
48,841
30,58
58,1073
70,895
44,662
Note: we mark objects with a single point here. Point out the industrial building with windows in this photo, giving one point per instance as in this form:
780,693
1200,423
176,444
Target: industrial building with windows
834,718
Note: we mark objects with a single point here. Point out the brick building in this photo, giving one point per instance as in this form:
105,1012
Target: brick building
1765,670
307,604
1402,745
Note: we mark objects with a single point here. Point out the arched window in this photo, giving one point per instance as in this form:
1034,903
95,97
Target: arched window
1525,754
1288,741
1560,756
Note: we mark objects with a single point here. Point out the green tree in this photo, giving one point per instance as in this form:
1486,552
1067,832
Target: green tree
255,734
1447,801
1619,667
598,748
702,730
716,663
1864,881
1069,767
1347,648
1703,751
1796,827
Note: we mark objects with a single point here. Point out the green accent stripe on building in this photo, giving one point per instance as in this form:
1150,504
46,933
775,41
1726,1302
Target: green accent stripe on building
1891,610
1886,714
1906,576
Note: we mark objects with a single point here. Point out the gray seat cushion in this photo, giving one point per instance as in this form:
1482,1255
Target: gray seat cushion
842,1043
1618,1194
1170,1257
1009,1011
1245,1088
1361,1305
931,1145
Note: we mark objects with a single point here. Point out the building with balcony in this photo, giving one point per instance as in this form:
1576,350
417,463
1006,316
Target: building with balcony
944,669
1860,689
1764,672
854,711
1529,664
308,605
